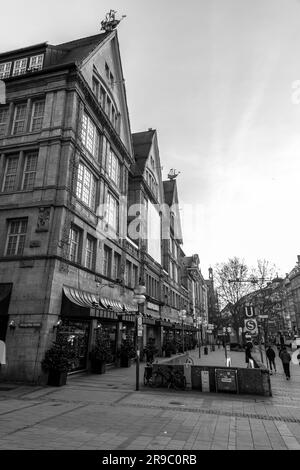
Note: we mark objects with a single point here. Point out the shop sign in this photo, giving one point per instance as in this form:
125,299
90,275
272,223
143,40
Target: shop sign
226,380
152,306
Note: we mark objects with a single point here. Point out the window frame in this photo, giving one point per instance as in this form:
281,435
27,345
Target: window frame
91,252
25,172
39,66
111,213
17,106
5,73
77,243
90,142
20,69
4,111
20,235
38,117
85,186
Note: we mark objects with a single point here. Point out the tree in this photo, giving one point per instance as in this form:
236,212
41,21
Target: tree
232,285
259,287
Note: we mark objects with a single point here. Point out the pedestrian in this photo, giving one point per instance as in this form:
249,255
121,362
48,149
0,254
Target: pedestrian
248,355
286,359
271,357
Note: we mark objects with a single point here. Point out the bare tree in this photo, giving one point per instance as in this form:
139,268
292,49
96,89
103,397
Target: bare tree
232,285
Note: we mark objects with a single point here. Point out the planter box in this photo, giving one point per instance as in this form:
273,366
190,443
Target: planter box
98,367
125,361
57,378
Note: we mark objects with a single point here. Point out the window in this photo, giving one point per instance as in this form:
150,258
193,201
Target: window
16,237
29,170
96,88
86,186
74,241
113,167
90,252
112,211
102,97
5,70
89,135
19,118
117,265
107,261
20,67
105,150
10,175
135,275
3,120
36,62
106,70
37,115
128,274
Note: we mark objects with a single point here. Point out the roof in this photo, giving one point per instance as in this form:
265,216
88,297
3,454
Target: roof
142,142
72,51
79,49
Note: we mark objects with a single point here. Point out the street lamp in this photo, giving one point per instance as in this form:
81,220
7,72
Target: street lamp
182,316
199,325
139,298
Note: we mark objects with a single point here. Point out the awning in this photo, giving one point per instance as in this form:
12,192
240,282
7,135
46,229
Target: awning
5,290
130,308
111,304
81,298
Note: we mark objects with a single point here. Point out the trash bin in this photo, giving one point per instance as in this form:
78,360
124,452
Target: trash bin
205,350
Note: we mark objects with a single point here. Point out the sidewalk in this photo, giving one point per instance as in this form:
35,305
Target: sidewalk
106,412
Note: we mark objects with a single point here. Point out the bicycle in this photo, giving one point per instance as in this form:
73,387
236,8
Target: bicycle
169,378
177,380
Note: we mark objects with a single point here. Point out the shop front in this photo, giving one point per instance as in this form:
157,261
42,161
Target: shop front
84,315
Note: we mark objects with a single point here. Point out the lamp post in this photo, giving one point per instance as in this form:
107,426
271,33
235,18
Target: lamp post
139,298
199,325
182,316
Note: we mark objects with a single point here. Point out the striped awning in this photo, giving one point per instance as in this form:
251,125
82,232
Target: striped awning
81,297
111,304
130,308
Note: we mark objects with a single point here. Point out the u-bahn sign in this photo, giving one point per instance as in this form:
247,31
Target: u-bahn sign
251,325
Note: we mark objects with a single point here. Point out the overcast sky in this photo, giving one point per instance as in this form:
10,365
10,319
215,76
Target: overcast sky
215,78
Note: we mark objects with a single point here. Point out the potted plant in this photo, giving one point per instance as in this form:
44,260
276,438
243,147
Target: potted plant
57,362
126,352
101,353
169,348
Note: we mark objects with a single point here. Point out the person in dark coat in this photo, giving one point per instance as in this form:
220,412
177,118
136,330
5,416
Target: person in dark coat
286,359
271,357
248,355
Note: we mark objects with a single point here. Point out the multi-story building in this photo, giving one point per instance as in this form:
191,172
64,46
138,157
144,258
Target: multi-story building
66,151
70,175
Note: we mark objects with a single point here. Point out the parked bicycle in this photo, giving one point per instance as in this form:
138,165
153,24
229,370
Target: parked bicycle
169,378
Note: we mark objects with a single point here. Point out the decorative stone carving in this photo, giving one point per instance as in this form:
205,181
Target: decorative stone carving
43,219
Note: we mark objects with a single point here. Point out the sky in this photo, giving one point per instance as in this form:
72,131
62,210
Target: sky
220,82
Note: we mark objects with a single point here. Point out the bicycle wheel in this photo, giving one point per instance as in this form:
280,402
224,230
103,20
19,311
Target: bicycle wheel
157,380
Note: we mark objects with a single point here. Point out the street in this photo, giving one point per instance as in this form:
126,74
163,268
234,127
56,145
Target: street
105,412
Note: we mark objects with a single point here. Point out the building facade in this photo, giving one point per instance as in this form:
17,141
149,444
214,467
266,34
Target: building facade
70,172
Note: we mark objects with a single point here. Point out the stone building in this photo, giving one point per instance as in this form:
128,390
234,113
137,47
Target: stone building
66,151
70,170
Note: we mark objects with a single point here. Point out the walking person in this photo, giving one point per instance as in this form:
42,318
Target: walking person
286,359
270,353
248,355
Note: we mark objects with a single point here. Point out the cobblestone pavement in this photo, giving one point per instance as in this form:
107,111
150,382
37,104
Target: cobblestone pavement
105,412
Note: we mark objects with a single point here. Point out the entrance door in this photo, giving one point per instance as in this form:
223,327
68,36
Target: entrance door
76,332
